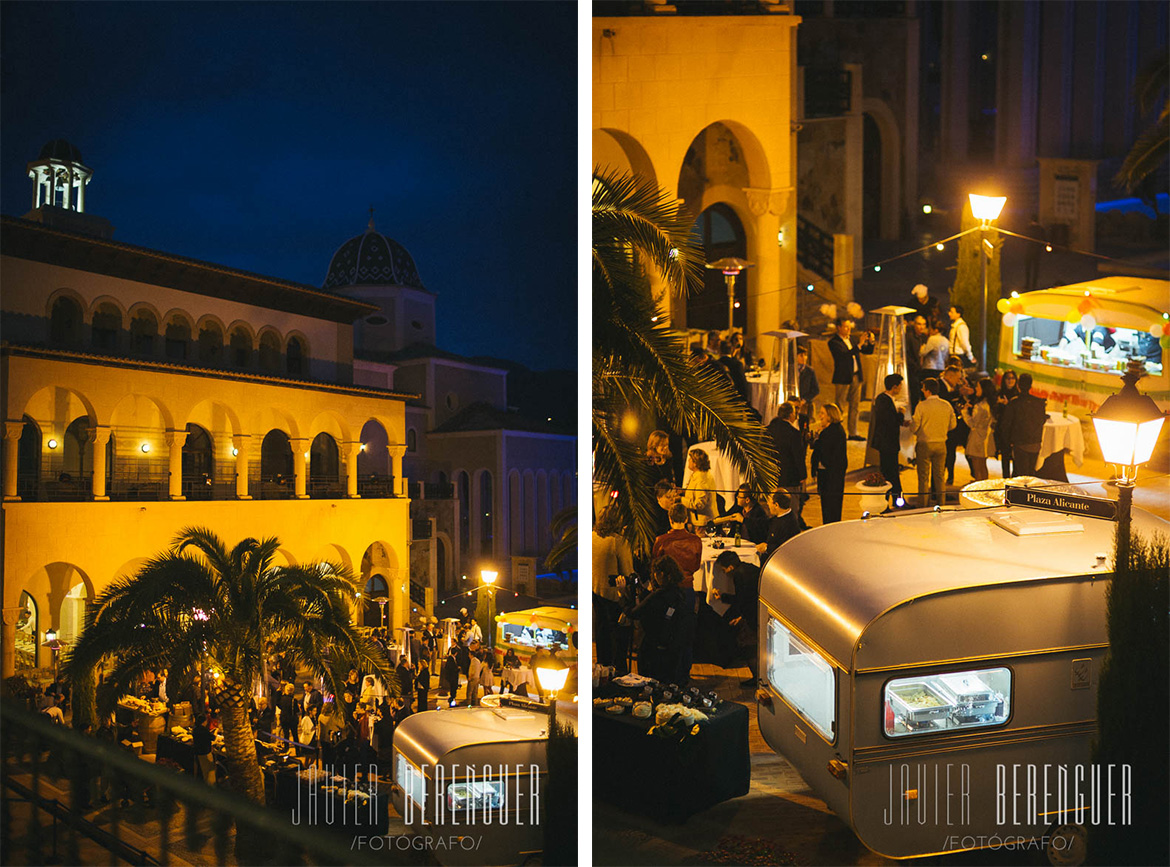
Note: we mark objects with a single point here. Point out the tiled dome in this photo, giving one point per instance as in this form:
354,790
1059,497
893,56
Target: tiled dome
59,149
372,259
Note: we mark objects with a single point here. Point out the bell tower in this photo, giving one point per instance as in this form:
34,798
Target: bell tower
60,178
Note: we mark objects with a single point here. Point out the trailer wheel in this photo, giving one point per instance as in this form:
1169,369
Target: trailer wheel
1067,846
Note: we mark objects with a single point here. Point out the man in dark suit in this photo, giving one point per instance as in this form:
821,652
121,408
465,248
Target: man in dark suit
807,387
886,433
953,388
790,446
734,368
915,338
309,699
743,608
406,682
1023,423
847,376
781,527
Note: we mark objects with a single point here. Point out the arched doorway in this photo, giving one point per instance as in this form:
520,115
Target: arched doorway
76,466
65,322
722,235
28,461
27,632
72,617
324,467
276,466
198,464
375,598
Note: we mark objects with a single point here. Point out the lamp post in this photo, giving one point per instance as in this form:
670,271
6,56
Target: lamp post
985,209
552,674
1127,426
489,579
731,268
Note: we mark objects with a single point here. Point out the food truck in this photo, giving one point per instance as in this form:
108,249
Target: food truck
927,674
526,631
1045,334
476,774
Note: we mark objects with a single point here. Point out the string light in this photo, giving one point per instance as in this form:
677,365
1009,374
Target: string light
940,247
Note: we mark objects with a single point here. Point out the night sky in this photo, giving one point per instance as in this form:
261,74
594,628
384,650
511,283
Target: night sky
258,135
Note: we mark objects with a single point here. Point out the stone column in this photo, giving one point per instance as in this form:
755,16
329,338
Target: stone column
240,444
12,432
100,436
300,449
350,452
68,195
8,642
396,453
81,179
175,442
770,300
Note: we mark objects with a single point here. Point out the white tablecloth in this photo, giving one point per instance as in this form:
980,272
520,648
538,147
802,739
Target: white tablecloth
1062,433
513,677
711,577
765,400
727,478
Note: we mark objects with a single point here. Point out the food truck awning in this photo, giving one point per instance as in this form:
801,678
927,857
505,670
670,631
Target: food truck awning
1119,302
433,734
831,582
546,617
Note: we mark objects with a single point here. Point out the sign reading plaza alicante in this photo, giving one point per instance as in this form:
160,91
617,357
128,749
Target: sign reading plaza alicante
1071,504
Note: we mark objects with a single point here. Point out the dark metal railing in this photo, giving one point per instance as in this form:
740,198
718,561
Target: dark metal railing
814,248
326,489
420,528
157,488
140,486
50,777
375,486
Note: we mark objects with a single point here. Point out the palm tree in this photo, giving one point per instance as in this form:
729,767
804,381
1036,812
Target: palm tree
1149,151
640,364
200,608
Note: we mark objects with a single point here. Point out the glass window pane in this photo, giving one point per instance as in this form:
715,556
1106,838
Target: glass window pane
927,703
803,677
477,794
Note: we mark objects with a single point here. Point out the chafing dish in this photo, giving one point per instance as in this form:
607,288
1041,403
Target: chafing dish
919,703
973,699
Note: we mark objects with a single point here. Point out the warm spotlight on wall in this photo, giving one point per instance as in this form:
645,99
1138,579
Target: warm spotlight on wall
145,448
52,444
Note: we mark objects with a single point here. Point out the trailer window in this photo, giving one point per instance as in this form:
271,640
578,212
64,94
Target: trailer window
972,699
478,795
411,781
803,677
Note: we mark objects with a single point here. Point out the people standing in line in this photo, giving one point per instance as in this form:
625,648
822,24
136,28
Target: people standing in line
959,342
743,609
886,430
1023,420
933,420
663,613
978,415
612,562
699,496
791,448
782,525
658,456
807,388
934,351
953,388
847,372
830,461
1009,388
915,339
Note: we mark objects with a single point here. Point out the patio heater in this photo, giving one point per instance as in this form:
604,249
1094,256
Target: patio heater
783,382
731,268
890,355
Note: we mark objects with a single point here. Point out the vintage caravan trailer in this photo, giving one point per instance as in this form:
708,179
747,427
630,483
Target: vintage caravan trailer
909,664
1082,367
476,773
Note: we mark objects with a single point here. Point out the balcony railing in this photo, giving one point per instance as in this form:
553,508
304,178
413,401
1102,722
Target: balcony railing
156,487
814,248
51,776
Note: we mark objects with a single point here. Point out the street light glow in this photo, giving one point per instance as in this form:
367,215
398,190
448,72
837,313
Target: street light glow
986,208
489,577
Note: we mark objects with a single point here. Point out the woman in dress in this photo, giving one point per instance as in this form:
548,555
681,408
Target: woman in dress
699,496
829,462
658,456
1009,387
978,416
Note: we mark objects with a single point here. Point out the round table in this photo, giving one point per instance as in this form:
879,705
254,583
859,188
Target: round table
1062,433
710,578
513,677
764,396
727,478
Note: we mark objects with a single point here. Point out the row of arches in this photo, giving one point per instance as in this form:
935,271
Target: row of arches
142,332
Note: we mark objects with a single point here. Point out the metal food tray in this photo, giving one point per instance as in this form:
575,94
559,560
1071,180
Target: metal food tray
967,688
912,714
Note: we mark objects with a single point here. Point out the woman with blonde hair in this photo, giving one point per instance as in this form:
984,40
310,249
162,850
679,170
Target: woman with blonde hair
829,462
699,496
658,456
612,561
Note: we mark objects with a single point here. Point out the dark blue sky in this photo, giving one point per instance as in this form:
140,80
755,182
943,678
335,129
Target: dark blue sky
257,135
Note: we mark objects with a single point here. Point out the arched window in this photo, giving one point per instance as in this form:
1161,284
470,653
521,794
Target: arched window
276,465
27,632
463,492
270,352
295,357
143,331
374,612
77,461
28,462
198,464
65,322
241,344
177,337
107,323
210,344
324,467
411,440
485,514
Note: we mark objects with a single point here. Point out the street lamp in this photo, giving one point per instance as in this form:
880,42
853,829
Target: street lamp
985,209
731,268
551,673
489,579
1127,425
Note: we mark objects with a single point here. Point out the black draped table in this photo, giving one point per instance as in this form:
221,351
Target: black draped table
305,803
665,780
182,754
